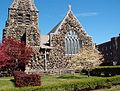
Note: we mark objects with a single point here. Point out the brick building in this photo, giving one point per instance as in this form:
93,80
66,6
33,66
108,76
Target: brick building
111,51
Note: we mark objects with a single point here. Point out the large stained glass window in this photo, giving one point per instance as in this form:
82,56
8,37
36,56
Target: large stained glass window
72,43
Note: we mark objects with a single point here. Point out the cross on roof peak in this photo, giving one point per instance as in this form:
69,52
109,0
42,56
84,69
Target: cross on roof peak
70,7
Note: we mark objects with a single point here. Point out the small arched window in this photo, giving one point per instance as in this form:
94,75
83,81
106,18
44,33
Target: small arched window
27,20
20,18
33,37
72,42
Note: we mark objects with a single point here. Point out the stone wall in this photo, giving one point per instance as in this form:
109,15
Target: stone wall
69,24
22,24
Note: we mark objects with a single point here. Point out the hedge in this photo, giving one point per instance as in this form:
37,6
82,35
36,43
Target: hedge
106,71
22,79
85,84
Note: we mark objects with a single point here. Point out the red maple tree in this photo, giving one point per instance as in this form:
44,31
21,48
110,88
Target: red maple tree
14,54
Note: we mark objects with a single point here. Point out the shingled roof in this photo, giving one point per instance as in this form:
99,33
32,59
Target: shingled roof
55,28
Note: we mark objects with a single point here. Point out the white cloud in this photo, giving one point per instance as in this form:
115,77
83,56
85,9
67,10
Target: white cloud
87,14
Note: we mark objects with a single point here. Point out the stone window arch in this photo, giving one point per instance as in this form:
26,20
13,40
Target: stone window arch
33,37
72,42
27,19
20,18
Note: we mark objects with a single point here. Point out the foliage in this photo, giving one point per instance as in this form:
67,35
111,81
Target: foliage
14,54
80,85
87,58
22,79
52,83
106,71
3,56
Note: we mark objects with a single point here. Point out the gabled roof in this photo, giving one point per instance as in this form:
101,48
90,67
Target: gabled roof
55,28
58,26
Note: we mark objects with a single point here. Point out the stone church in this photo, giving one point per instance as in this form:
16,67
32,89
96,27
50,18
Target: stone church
68,36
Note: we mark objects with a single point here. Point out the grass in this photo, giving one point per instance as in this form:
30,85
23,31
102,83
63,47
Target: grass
7,83
48,80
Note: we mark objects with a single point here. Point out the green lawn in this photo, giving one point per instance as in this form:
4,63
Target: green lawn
7,83
48,80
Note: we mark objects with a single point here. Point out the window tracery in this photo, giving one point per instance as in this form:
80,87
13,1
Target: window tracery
72,42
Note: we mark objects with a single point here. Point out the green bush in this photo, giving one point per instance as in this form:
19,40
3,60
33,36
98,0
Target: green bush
114,80
71,86
106,71
79,85
74,85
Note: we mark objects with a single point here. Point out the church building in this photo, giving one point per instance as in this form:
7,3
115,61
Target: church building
67,37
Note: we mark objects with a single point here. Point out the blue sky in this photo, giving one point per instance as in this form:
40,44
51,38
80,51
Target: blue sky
100,18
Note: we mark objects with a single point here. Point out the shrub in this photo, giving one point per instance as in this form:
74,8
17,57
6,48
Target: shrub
106,71
75,85
22,79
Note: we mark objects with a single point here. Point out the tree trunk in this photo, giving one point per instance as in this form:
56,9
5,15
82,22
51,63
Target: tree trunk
88,72
60,72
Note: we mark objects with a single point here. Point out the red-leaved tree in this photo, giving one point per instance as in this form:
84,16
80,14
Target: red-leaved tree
14,54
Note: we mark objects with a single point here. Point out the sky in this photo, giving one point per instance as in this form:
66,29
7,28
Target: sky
99,18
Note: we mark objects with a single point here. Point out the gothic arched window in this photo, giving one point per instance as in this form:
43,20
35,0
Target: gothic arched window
27,20
33,37
20,18
72,42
